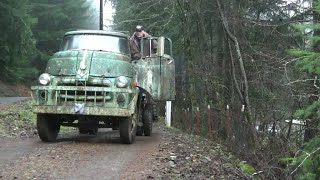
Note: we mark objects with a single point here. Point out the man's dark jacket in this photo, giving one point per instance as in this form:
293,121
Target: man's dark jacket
135,46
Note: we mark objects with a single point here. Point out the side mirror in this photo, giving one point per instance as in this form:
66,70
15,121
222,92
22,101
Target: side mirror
160,49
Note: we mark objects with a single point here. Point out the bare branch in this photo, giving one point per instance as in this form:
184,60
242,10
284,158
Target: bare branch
243,71
315,81
308,155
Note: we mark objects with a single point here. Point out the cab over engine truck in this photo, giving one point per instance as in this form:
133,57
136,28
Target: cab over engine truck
92,82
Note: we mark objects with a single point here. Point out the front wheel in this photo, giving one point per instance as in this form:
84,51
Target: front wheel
48,127
127,128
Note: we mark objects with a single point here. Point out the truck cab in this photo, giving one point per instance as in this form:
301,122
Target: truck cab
92,82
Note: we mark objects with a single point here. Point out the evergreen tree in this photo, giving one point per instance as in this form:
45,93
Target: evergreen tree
308,162
16,41
56,17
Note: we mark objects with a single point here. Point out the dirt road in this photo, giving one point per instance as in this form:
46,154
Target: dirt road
9,100
78,157
168,154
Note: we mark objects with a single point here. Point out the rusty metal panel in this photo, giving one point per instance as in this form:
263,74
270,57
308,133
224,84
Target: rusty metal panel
63,63
99,111
95,100
156,75
83,63
84,81
111,65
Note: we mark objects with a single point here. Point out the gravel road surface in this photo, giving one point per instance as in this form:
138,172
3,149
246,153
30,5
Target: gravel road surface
77,156
10,100
168,154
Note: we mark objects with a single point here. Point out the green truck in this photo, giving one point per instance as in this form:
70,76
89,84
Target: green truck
92,82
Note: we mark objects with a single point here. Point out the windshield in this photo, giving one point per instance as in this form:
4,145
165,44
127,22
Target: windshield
96,42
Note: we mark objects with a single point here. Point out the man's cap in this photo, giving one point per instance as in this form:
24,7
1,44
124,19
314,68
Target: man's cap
139,28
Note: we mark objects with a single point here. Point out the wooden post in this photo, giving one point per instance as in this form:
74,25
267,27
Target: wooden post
168,113
182,119
198,121
228,121
209,123
188,120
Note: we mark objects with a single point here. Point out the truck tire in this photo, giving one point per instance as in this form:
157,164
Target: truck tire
93,131
147,120
155,113
128,128
48,127
140,121
139,131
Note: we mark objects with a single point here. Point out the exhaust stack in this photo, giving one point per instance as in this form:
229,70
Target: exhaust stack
101,15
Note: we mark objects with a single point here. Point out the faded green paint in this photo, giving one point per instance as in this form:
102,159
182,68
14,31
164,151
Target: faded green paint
157,76
56,103
111,65
97,63
88,78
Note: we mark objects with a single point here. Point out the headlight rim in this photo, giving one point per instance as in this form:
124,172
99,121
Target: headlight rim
44,79
121,82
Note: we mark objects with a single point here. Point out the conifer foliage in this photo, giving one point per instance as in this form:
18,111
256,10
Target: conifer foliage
31,31
235,54
16,40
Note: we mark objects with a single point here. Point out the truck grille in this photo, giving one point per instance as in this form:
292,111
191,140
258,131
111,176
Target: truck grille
84,96
60,95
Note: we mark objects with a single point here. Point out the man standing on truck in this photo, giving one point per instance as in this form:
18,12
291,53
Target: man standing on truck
149,46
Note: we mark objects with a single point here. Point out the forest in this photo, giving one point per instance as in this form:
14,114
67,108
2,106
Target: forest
31,32
254,64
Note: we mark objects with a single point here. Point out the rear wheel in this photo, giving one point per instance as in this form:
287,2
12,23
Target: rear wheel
155,113
48,127
139,121
93,131
139,131
147,120
83,131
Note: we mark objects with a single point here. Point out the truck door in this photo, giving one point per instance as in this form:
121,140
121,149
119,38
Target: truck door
156,72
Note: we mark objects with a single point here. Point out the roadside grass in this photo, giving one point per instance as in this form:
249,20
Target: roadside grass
18,120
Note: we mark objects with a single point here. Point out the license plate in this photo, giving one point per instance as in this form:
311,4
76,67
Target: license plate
79,108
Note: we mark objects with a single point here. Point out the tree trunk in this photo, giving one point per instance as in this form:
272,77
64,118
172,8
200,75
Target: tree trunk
242,68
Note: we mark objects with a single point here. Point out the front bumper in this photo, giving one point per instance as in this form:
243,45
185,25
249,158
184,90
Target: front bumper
84,100
96,111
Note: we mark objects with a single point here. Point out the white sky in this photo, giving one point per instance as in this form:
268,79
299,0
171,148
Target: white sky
302,3
108,13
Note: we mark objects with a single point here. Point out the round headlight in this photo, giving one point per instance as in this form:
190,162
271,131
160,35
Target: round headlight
121,82
44,79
